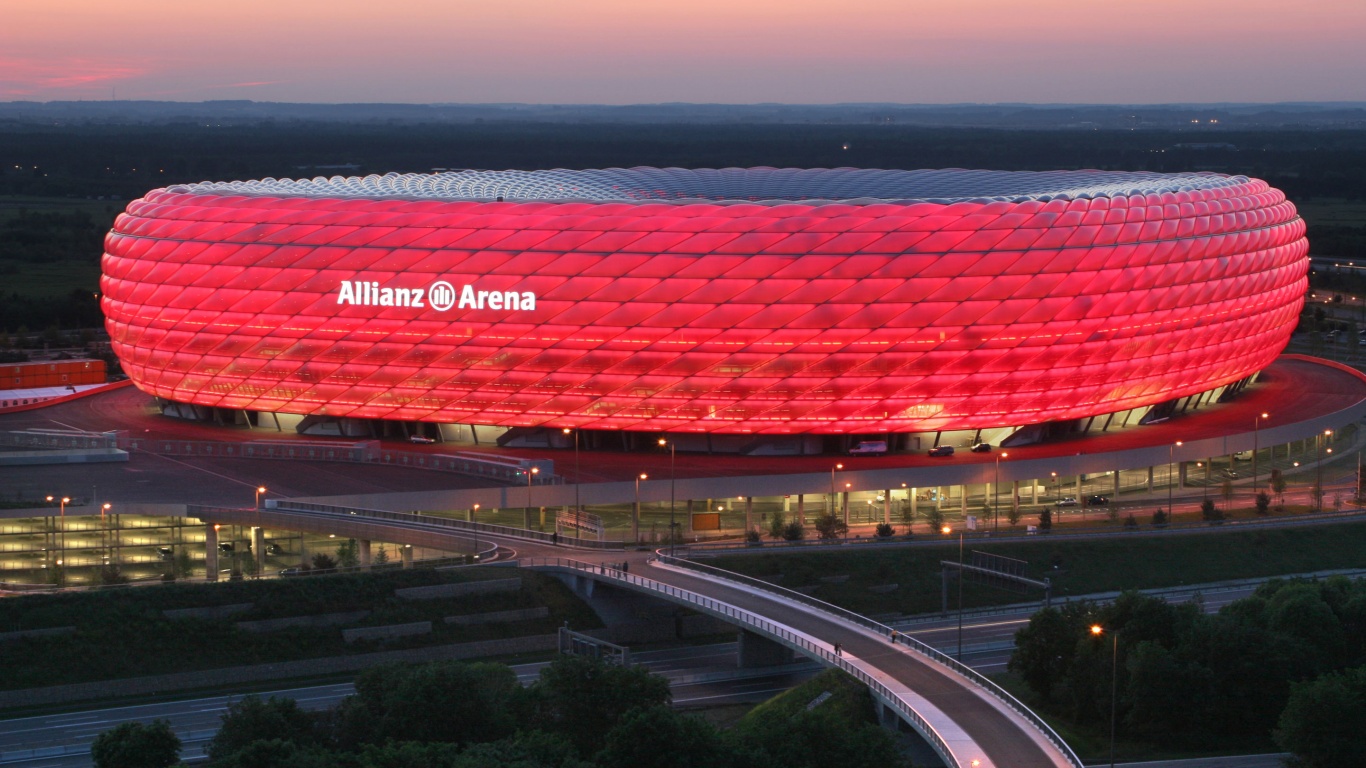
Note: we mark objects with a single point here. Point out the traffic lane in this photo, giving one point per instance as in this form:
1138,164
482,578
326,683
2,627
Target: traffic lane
998,736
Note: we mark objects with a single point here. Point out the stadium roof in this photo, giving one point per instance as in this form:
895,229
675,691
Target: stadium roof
740,185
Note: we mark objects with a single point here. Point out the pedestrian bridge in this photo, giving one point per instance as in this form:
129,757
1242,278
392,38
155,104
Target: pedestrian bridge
970,721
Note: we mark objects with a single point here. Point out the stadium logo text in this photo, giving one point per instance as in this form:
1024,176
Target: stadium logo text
441,296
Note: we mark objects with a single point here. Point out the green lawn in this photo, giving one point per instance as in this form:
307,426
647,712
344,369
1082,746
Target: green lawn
1075,567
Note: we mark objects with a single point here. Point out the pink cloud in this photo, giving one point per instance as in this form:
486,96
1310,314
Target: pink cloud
26,77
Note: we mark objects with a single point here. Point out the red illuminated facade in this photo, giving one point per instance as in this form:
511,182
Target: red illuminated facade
763,301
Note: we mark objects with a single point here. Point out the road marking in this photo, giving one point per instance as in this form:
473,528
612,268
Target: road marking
201,469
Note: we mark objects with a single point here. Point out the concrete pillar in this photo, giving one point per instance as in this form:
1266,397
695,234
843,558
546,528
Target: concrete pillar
363,549
688,516
749,513
844,506
1150,479
1079,477
801,509
211,552
635,521
1116,491
787,504
757,651
1034,489
915,503
963,499
1181,474
407,556
1015,496
887,506
258,549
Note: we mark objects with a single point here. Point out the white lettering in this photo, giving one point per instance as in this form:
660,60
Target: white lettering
417,297
495,300
386,297
348,293
440,296
528,300
467,297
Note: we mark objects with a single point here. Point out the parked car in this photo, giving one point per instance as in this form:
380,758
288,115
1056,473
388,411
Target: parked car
1243,455
982,448
869,448
1067,501
1096,501
942,450
165,553
225,546
421,439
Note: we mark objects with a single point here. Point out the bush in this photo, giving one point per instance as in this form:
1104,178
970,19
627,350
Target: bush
777,526
752,536
831,526
885,531
1210,512
1262,502
1160,518
1045,520
1321,723
135,745
793,531
1130,523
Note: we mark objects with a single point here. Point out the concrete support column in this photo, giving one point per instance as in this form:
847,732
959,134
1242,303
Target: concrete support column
1034,489
407,556
887,506
1015,496
801,509
844,506
688,515
963,498
211,552
1150,479
1181,474
1116,491
749,513
635,521
363,550
258,549
915,503
1079,477
757,651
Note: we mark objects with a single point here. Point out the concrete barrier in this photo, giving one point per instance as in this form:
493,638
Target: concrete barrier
23,633
209,612
463,589
387,632
316,620
499,617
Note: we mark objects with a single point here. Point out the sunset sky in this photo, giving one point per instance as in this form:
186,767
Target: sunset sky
649,51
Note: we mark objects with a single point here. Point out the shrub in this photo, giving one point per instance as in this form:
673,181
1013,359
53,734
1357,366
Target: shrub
885,531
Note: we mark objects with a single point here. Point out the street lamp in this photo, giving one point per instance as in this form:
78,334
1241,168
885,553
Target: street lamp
1171,481
673,477
947,530
1256,425
577,506
996,494
260,489
104,527
635,511
61,531
1096,631
1318,461
474,510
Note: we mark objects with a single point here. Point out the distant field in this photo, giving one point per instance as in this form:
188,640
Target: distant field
1340,213
74,259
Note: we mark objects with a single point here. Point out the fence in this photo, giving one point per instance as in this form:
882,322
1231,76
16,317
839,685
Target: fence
933,654
56,439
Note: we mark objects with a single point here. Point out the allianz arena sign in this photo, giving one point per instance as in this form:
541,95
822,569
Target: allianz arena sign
731,301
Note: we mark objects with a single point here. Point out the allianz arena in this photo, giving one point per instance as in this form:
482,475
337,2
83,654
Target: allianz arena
734,301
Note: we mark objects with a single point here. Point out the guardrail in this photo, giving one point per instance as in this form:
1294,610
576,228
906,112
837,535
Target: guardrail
444,522
764,627
928,651
58,439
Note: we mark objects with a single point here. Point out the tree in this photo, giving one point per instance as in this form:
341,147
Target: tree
448,701
183,565
1046,520
1210,512
1160,518
831,526
935,517
255,719
1130,523
1227,491
136,745
659,737
1045,647
1278,486
1013,514
776,525
381,556
793,531
582,698
324,562
1262,503
752,536
348,554
1321,723
885,531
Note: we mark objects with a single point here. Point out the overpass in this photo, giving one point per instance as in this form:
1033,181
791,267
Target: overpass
967,719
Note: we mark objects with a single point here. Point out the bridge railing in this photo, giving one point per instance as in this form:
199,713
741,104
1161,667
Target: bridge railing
928,651
445,522
762,626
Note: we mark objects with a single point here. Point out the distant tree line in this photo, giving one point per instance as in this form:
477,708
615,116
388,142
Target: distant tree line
1269,663
580,713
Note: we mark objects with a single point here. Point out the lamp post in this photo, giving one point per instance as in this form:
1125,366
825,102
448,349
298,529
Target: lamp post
1256,426
1171,481
673,477
577,505
1318,462
947,530
1096,631
832,486
104,527
635,512
61,530
996,494
474,510
260,489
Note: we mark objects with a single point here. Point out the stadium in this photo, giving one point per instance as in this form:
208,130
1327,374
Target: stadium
731,302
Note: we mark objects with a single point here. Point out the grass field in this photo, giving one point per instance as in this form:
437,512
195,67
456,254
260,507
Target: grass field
1075,567
74,266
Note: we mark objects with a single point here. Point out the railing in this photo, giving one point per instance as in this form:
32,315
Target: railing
57,439
764,627
414,519
915,645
